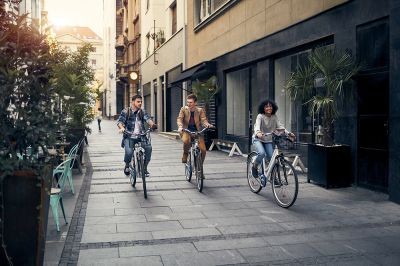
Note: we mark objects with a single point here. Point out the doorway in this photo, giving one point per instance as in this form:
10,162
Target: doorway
373,105
241,105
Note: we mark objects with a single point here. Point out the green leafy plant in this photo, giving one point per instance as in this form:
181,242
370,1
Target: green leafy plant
205,91
28,120
320,85
73,81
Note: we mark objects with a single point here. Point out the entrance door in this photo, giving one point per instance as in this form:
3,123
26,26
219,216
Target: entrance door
174,104
373,105
373,131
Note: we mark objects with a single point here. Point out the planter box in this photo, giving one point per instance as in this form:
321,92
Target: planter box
329,166
26,205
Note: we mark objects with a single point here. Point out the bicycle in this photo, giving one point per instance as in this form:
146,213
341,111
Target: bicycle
196,164
136,166
279,172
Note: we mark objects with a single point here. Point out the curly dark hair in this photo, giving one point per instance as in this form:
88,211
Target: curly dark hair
266,102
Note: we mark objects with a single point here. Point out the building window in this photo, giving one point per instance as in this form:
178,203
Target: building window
173,16
293,115
93,50
205,8
237,86
22,7
35,9
94,62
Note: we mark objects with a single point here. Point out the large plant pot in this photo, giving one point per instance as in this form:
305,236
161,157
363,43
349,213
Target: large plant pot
26,205
329,166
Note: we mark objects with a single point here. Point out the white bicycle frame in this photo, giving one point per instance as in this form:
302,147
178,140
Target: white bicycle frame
268,169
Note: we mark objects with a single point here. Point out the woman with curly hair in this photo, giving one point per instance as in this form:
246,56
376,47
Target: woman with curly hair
266,122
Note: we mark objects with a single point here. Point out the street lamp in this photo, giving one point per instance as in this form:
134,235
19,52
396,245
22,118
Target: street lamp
134,78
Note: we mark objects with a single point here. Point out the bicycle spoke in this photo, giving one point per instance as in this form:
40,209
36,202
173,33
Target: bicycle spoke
284,183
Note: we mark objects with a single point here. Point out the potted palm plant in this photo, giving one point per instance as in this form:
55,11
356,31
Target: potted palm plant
320,85
28,122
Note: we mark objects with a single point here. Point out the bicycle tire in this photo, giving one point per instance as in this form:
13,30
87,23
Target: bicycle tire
188,168
142,173
132,177
284,183
254,182
199,172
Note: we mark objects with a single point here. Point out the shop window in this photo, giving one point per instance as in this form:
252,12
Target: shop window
293,114
173,18
237,87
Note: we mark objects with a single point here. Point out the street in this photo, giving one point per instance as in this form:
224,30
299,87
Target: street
226,224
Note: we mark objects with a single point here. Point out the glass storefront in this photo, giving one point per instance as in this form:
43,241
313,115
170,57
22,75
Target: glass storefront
293,114
237,87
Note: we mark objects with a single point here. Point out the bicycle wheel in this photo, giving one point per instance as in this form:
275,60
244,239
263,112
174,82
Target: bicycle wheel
132,175
188,168
141,172
254,182
199,171
284,183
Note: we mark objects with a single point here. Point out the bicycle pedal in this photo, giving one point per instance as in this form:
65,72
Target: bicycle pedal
263,180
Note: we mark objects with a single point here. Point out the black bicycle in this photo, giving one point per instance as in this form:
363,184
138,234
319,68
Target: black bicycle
195,165
136,166
279,172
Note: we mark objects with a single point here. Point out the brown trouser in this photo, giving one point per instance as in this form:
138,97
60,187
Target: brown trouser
186,144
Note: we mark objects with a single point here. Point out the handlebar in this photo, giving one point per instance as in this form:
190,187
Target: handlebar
276,135
197,132
139,135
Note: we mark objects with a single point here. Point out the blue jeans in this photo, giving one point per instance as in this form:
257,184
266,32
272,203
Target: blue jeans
129,145
263,150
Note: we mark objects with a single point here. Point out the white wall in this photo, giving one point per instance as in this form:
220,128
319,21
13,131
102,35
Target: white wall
109,55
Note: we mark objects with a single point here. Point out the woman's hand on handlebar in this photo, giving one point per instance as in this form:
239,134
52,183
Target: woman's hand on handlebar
291,136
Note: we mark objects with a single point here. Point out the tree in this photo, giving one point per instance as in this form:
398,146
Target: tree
73,80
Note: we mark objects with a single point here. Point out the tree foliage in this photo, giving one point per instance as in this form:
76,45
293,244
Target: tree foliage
72,82
27,117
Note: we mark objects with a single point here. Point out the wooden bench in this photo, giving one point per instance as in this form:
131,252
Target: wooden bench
221,145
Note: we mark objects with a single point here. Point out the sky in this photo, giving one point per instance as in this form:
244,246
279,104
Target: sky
77,13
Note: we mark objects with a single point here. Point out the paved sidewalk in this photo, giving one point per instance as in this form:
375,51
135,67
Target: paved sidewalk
226,224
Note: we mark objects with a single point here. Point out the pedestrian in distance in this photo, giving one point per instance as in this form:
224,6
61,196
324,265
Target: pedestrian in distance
133,119
266,122
192,118
99,117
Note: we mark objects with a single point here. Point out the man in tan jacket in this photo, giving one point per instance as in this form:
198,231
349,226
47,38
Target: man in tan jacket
192,118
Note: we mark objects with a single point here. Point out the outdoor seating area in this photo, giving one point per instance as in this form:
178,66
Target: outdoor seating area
62,178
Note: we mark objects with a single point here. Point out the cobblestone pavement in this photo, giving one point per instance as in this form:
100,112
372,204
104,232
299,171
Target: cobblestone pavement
226,224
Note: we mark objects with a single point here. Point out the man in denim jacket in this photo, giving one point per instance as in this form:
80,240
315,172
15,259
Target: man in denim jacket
133,119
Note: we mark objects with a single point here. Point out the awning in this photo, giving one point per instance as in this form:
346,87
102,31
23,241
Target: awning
202,70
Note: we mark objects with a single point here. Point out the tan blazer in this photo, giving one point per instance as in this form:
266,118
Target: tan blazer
200,118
